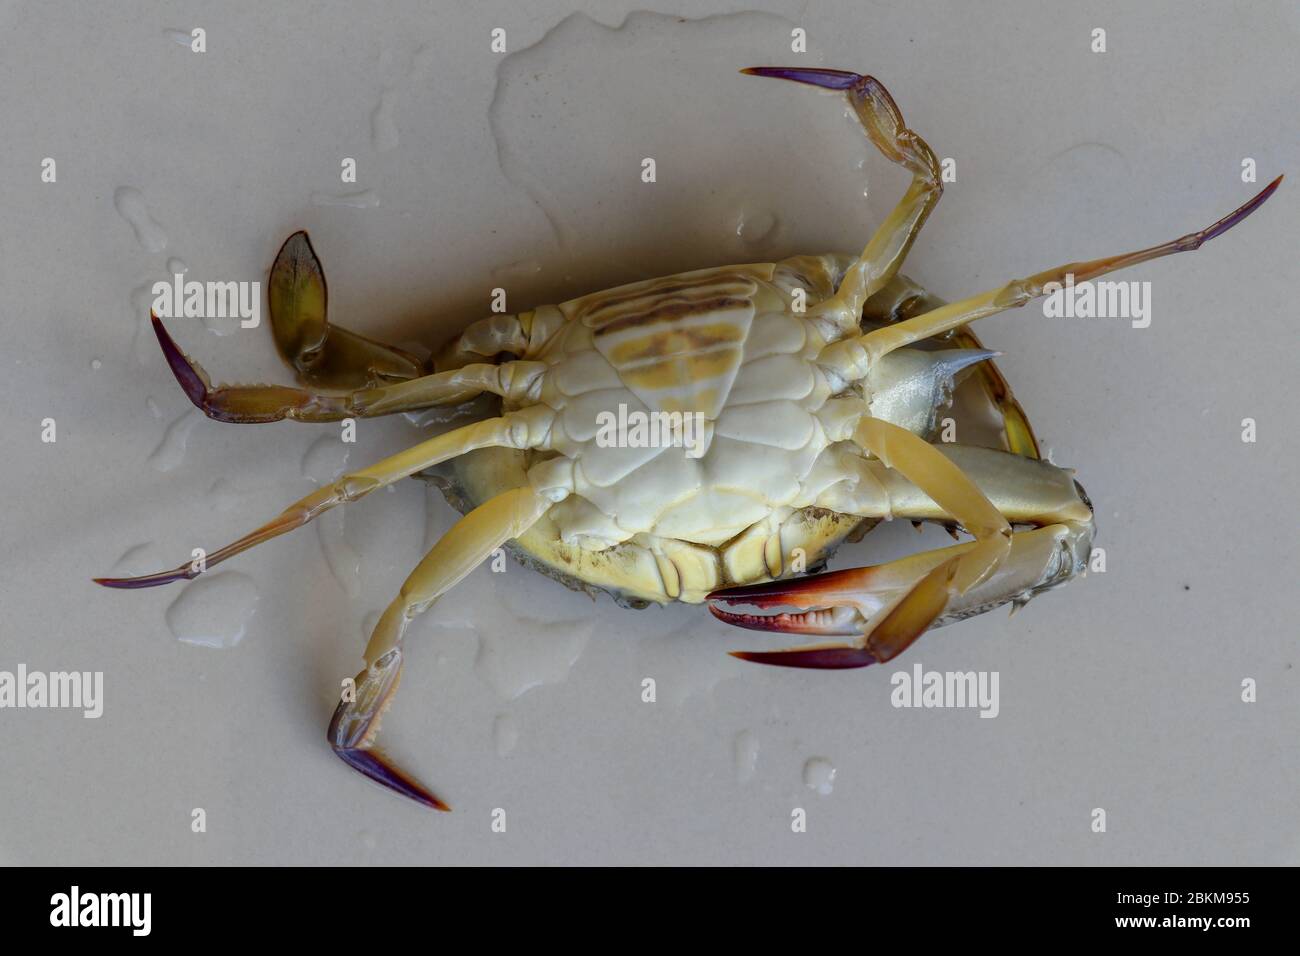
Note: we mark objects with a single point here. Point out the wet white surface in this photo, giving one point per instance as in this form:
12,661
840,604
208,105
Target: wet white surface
478,169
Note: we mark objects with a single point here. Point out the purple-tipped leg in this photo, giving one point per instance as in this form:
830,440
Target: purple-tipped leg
356,722
827,79
244,404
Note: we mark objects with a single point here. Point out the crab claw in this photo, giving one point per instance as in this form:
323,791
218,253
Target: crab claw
843,602
825,605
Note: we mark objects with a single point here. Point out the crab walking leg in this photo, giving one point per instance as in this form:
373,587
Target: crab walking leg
943,481
888,247
324,355
854,356
527,428
471,540
846,602
259,404
1024,491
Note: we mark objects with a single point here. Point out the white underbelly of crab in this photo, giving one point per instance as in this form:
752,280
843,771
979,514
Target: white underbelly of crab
770,444
757,449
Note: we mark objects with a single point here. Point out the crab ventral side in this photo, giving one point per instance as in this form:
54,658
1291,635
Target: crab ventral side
815,383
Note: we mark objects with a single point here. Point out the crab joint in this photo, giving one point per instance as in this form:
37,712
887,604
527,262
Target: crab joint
356,721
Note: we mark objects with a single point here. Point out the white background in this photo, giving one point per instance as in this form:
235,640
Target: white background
1121,691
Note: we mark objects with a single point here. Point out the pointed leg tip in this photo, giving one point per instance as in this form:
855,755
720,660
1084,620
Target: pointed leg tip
146,581
1264,193
123,584
1241,212
191,380
813,76
374,766
822,657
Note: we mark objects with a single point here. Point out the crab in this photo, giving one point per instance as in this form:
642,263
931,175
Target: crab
817,383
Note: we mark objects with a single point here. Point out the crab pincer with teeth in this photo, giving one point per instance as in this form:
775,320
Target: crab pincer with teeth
818,381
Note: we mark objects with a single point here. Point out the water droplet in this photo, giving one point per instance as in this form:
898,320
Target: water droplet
505,734
544,105
221,325
131,206
819,775
512,660
745,755
364,199
171,450
137,560
176,267
517,651
522,644
214,610
152,405
326,459
755,226
685,666
96,364
383,129
224,496
343,560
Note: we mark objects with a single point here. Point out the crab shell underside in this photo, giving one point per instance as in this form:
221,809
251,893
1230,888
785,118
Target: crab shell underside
981,404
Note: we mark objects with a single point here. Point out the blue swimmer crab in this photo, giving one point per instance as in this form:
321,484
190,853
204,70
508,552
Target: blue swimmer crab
816,384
